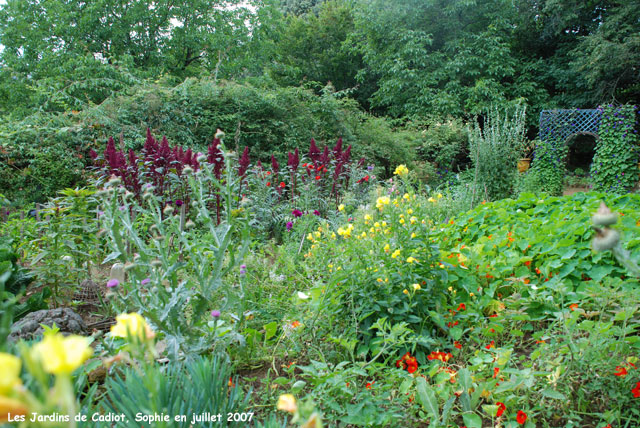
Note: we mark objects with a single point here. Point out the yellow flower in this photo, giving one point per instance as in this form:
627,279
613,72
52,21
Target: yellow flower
416,287
410,211
9,405
405,291
401,221
310,237
376,224
386,248
10,367
382,201
413,220
62,355
406,196
341,207
411,260
132,324
395,254
368,218
413,235
401,170
439,196
384,224
431,200
287,402
380,280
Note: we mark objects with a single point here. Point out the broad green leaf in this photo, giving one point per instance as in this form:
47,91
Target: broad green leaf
471,420
427,398
270,330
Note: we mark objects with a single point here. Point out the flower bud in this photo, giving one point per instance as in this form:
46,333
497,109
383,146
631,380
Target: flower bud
156,263
201,159
605,239
128,266
219,133
168,210
187,170
189,224
604,216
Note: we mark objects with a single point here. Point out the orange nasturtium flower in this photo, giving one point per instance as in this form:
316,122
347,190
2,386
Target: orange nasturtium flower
620,371
573,306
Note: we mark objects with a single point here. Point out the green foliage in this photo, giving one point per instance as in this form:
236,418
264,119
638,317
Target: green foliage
46,152
69,54
542,240
184,267
197,386
615,164
549,166
445,145
495,149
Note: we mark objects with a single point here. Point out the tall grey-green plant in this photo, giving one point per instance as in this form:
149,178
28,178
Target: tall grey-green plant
495,148
176,269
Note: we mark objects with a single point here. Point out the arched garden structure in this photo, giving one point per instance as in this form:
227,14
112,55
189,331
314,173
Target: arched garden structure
615,162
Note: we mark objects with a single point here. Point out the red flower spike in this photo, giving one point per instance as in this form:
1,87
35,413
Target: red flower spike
462,307
636,391
521,417
457,344
496,370
501,409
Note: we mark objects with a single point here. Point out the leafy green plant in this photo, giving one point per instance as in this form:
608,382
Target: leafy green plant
176,271
194,388
495,149
615,163
548,169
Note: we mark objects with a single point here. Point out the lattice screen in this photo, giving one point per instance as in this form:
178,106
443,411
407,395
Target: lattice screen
561,124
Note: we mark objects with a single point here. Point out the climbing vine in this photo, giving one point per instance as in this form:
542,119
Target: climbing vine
615,163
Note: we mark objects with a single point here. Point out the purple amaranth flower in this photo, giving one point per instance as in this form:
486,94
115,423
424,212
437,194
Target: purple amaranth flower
289,225
145,281
179,202
316,212
296,213
113,283
243,269
215,314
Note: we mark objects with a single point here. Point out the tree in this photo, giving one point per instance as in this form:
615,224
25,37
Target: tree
77,51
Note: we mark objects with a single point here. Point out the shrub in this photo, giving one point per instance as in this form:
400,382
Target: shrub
47,152
495,149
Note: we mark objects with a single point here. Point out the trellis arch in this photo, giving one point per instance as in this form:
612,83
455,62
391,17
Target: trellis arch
560,124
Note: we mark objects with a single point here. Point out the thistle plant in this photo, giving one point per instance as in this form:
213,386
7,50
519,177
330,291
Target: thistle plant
176,269
609,239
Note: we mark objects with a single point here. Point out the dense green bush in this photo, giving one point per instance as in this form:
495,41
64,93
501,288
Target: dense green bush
615,164
47,152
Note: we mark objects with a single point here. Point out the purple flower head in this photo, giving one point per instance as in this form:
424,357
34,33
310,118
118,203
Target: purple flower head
243,269
145,281
316,212
296,213
289,225
370,168
113,283
179,202
215,314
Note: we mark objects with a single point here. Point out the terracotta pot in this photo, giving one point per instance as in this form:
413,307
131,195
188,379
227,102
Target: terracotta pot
523,164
